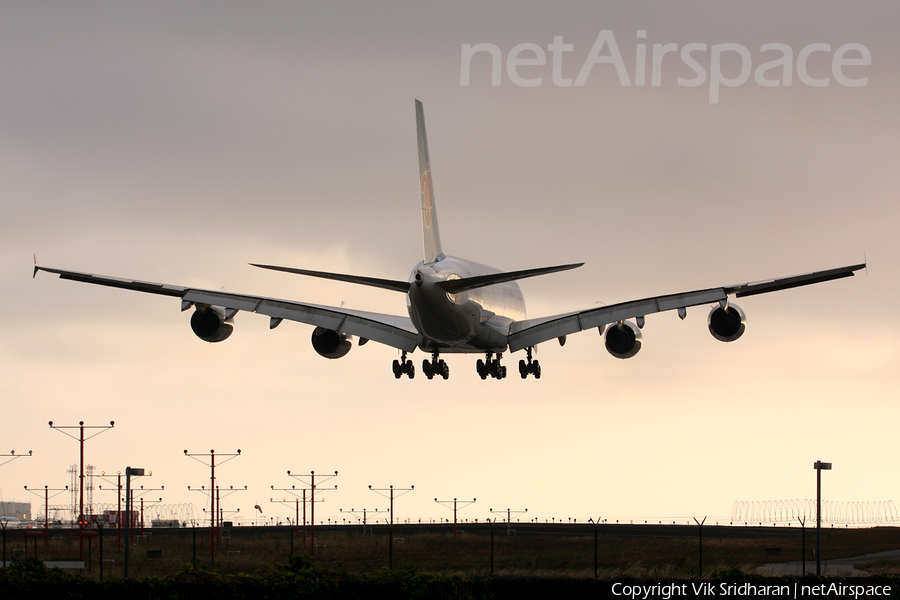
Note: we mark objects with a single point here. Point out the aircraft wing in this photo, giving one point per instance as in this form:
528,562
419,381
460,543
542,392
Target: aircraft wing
530,332
394,331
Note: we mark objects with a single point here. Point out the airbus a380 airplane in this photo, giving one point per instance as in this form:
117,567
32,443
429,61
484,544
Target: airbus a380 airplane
455,306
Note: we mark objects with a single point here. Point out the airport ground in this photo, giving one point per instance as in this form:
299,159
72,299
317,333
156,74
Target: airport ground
531,550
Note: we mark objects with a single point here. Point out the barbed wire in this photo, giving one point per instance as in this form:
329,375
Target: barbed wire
790,511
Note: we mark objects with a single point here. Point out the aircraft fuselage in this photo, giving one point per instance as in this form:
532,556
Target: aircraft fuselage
472,321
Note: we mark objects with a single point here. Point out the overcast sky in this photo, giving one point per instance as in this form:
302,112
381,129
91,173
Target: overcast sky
177,142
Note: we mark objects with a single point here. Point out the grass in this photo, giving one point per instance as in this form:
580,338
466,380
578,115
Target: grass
535,552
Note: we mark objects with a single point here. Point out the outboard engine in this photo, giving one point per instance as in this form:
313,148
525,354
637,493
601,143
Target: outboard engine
210,324
623,339
330,343
727,324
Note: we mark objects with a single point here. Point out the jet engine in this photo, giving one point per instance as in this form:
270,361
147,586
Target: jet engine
727,324
623,339
330,343
211,324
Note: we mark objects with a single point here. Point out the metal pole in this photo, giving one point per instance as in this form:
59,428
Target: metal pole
81,490
81,440
803,544
212,495
212,511
455,507
119,516
219,517
492,546
818,520
700,527
391,510
819,466
127,515
304,516
312,513
100,530
391,546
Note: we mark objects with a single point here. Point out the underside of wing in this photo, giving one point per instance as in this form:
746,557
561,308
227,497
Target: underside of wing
524,334
216,309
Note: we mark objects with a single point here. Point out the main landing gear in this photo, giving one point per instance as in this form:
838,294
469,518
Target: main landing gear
533,367
490,366
404,367
435,366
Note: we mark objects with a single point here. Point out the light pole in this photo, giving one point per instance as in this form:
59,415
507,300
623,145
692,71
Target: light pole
212,493
118,506
12,456
47,497
390,495
312,503
365,511
128,473
819,466
81,440
447,504
509,513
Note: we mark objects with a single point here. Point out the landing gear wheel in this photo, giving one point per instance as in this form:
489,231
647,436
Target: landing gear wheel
502,370
411,369
426,368
397,369
537,369
481,368
523,369
444,370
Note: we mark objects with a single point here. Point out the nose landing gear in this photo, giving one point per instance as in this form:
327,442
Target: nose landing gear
532,367
435,366
404,367
490,366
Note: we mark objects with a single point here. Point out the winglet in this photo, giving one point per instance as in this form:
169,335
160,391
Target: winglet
36,267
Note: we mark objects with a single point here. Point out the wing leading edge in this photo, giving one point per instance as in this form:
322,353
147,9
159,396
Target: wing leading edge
530,332
395,331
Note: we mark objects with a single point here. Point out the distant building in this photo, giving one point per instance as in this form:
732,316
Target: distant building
20,510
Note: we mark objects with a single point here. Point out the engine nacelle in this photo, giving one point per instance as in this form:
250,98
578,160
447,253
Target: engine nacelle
330,343
623,340
210,324
727,324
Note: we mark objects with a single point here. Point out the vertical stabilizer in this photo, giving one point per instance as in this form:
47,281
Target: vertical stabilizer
430,235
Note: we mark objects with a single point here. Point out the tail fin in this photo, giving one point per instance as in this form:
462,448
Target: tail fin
430,234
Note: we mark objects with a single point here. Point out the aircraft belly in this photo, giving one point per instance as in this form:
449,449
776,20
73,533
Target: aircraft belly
438,322
476,320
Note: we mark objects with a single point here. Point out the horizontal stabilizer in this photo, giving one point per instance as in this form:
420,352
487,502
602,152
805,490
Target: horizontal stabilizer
387,284
454,286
